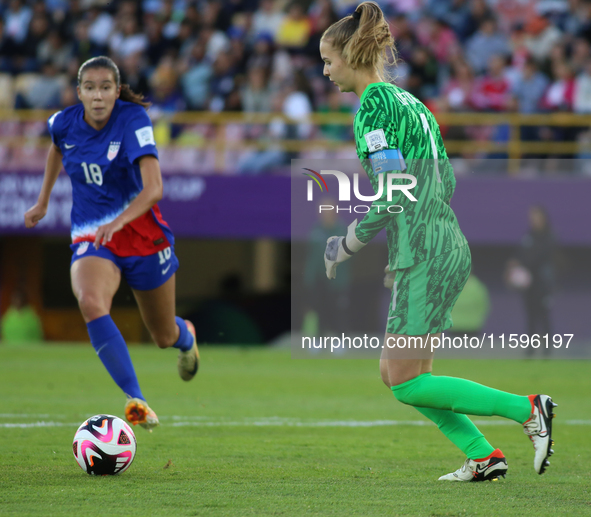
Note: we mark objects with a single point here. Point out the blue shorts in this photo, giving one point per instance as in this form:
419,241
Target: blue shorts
141,273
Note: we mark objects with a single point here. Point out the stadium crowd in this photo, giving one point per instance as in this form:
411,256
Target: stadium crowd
262,55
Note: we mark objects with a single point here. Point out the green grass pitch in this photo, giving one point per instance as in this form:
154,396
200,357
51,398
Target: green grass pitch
259,433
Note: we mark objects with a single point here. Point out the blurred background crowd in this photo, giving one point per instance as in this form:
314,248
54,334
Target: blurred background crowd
249,55
524,56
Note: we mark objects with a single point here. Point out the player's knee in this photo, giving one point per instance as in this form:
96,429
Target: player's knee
385,374
164,339
399,394
92,306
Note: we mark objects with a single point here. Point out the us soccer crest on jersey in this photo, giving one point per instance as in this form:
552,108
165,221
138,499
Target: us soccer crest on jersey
113,150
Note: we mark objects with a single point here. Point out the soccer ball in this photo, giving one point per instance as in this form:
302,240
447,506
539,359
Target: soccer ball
104,445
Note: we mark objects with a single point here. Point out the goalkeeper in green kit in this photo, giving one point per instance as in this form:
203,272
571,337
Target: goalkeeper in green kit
398,142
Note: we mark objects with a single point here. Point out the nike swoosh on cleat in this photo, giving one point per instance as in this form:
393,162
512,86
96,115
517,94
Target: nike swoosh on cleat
166,269
69,146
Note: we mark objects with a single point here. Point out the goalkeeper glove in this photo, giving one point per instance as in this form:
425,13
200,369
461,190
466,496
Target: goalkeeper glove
339,249
389,278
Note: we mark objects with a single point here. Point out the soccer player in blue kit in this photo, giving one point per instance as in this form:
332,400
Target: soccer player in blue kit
106,145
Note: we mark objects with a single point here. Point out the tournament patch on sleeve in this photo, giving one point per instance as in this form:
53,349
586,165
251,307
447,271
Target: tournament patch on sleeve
145,136
376,140
387,160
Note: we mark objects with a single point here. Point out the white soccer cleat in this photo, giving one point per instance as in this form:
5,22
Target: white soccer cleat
487,469
188,362
137,411
539,430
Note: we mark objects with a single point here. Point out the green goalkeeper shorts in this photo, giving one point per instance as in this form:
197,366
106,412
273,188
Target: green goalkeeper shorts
424,295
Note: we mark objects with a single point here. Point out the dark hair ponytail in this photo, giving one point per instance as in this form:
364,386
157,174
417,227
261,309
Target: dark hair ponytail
127,94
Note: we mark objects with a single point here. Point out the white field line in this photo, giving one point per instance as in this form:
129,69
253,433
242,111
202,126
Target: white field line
282,422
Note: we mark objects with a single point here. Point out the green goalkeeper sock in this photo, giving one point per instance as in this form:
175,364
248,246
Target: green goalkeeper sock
462,396
461,431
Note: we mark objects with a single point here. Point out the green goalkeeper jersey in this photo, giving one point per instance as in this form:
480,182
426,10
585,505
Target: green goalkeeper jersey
395,132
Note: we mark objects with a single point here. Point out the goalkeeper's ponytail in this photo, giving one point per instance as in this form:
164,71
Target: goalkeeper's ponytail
364,39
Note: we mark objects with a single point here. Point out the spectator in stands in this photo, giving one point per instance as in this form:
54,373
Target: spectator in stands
27,50
455,13
582,105
578,21
493,91
7,50
441,41
166,95
541,37
158,45
318,13
129,40
479,11
519,51
85,48
321,16
214,15
457,92
67,20
422,80
560,94
196,75
43,91
334,104
405,38
125,9
100,25
266,20
215,42
237,50
294,32
487,42
169,15
582,93
222,81
55,50
16,21
529,88
263,53
185,39
579,55
256,95
272,155
134,74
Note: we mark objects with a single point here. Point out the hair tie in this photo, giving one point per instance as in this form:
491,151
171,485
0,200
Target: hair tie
357,15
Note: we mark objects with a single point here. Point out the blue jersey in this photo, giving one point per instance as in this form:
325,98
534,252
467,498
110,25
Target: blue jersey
106,176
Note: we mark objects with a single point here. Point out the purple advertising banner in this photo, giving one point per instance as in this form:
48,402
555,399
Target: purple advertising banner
232,207
491,210
494,210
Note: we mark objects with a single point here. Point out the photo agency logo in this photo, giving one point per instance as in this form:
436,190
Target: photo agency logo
394,182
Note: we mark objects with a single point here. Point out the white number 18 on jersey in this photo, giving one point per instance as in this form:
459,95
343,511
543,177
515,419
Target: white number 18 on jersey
93,173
